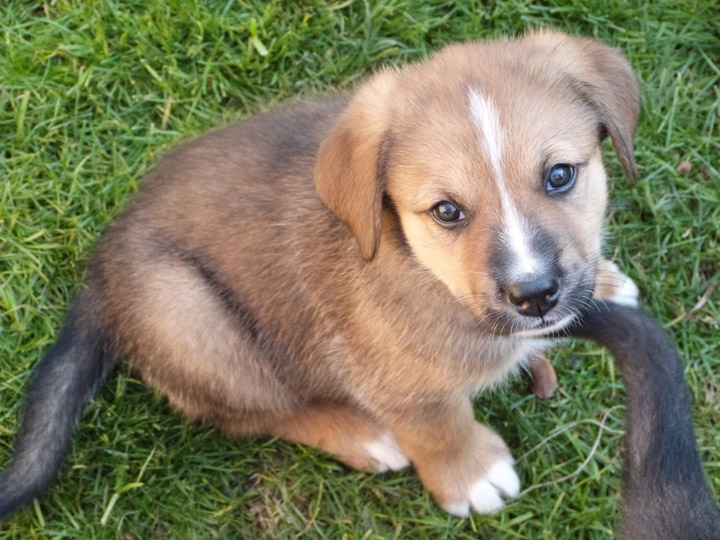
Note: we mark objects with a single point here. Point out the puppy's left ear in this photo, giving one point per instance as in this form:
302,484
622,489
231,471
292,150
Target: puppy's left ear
603,77
348,175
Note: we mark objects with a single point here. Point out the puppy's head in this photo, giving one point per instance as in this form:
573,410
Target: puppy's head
490,156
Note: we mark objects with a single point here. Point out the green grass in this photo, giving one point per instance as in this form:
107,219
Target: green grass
92,91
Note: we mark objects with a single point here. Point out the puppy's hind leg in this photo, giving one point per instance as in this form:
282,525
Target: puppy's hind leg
197,341
352,436
191,338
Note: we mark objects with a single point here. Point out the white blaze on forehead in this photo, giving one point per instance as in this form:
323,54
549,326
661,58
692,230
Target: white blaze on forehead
515,232
488,125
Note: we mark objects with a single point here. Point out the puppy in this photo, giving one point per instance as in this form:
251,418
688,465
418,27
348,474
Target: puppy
347,273
665,493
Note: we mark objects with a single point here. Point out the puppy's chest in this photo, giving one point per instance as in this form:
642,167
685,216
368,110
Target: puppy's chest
459,357
492,359
507,362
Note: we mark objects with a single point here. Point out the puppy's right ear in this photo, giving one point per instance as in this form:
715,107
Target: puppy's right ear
605,79
348,178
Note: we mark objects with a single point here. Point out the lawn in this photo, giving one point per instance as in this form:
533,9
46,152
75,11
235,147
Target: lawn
93,91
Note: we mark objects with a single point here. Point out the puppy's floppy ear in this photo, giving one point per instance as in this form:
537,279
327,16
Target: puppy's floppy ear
348,175
604,78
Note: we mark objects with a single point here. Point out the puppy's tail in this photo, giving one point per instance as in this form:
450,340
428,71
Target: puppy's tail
665,493
62,383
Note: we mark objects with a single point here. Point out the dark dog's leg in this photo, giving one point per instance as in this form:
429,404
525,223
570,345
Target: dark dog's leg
665,494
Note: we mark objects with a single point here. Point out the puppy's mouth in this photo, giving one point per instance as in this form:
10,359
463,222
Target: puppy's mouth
505,324
546,327
503,320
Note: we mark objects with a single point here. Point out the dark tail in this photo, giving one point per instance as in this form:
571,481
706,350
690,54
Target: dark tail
62,383
665,493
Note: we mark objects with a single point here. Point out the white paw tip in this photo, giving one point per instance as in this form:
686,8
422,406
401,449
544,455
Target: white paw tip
485,497
459,509
502,475
627,294
386,453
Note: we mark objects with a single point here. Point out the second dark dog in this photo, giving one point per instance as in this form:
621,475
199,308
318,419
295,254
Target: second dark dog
665,493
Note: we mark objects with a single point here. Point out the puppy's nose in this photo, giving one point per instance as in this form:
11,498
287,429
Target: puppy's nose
534,297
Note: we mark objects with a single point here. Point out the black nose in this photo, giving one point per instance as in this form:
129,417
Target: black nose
534,297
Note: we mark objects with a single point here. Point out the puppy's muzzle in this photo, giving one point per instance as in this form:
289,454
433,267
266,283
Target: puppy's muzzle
535,296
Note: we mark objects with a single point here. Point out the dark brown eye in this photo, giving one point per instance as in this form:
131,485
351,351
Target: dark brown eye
560,178
447,213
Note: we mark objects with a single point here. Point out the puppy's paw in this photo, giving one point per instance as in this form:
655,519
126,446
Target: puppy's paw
615,286
485,495
385,454
544,378
477,479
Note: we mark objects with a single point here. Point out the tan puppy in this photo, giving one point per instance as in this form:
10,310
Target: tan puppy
348,273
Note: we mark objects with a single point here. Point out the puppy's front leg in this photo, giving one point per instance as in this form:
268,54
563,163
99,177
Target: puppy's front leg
462,463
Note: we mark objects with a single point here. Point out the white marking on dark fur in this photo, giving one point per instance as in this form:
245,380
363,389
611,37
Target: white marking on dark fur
515,231
386,453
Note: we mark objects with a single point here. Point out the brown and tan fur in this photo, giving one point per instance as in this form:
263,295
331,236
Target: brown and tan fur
284,276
